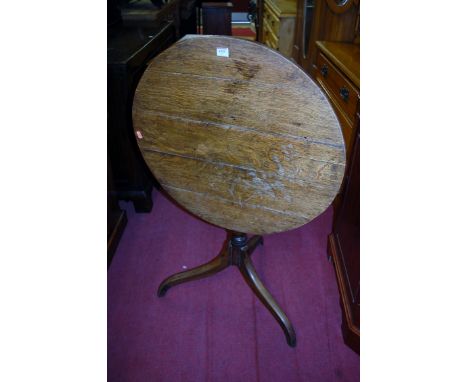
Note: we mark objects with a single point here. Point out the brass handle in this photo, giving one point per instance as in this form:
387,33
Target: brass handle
344,93
324,70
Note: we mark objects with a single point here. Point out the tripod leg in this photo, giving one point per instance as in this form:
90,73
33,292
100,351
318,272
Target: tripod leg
253,242
216,265
267,299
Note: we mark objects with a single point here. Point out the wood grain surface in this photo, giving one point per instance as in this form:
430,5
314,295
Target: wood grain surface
246,142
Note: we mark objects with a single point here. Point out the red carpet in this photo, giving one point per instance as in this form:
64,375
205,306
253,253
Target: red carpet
244,32
215,329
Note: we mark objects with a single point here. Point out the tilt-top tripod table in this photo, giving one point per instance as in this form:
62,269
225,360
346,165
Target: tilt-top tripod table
240,136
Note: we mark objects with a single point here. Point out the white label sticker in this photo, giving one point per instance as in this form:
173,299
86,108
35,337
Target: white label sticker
139,134
222,52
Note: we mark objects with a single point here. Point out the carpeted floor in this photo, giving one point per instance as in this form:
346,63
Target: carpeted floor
215,329
246,31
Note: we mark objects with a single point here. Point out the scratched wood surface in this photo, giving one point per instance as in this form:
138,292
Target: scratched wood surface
246,142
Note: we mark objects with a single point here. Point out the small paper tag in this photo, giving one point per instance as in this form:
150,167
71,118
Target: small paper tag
222,52
139,134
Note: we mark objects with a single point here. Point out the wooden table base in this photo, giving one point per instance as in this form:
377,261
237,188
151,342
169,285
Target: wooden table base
236,251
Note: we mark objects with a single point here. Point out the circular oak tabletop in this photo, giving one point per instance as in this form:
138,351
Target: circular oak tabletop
238,134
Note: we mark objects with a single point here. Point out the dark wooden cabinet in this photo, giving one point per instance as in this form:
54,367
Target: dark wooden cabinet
343,247
131,45
217,18
326,45
140,33
338,74
129,50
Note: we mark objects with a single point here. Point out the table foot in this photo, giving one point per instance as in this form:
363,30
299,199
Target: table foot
251,277
216,265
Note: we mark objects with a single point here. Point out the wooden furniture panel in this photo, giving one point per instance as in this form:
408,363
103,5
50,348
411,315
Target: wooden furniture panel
338,68
217,17
286,35
278,23
344,247
303,35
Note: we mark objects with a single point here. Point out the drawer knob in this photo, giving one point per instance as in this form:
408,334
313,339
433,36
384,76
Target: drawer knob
324,70
344,93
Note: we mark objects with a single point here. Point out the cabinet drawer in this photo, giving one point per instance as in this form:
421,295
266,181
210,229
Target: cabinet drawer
344,94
